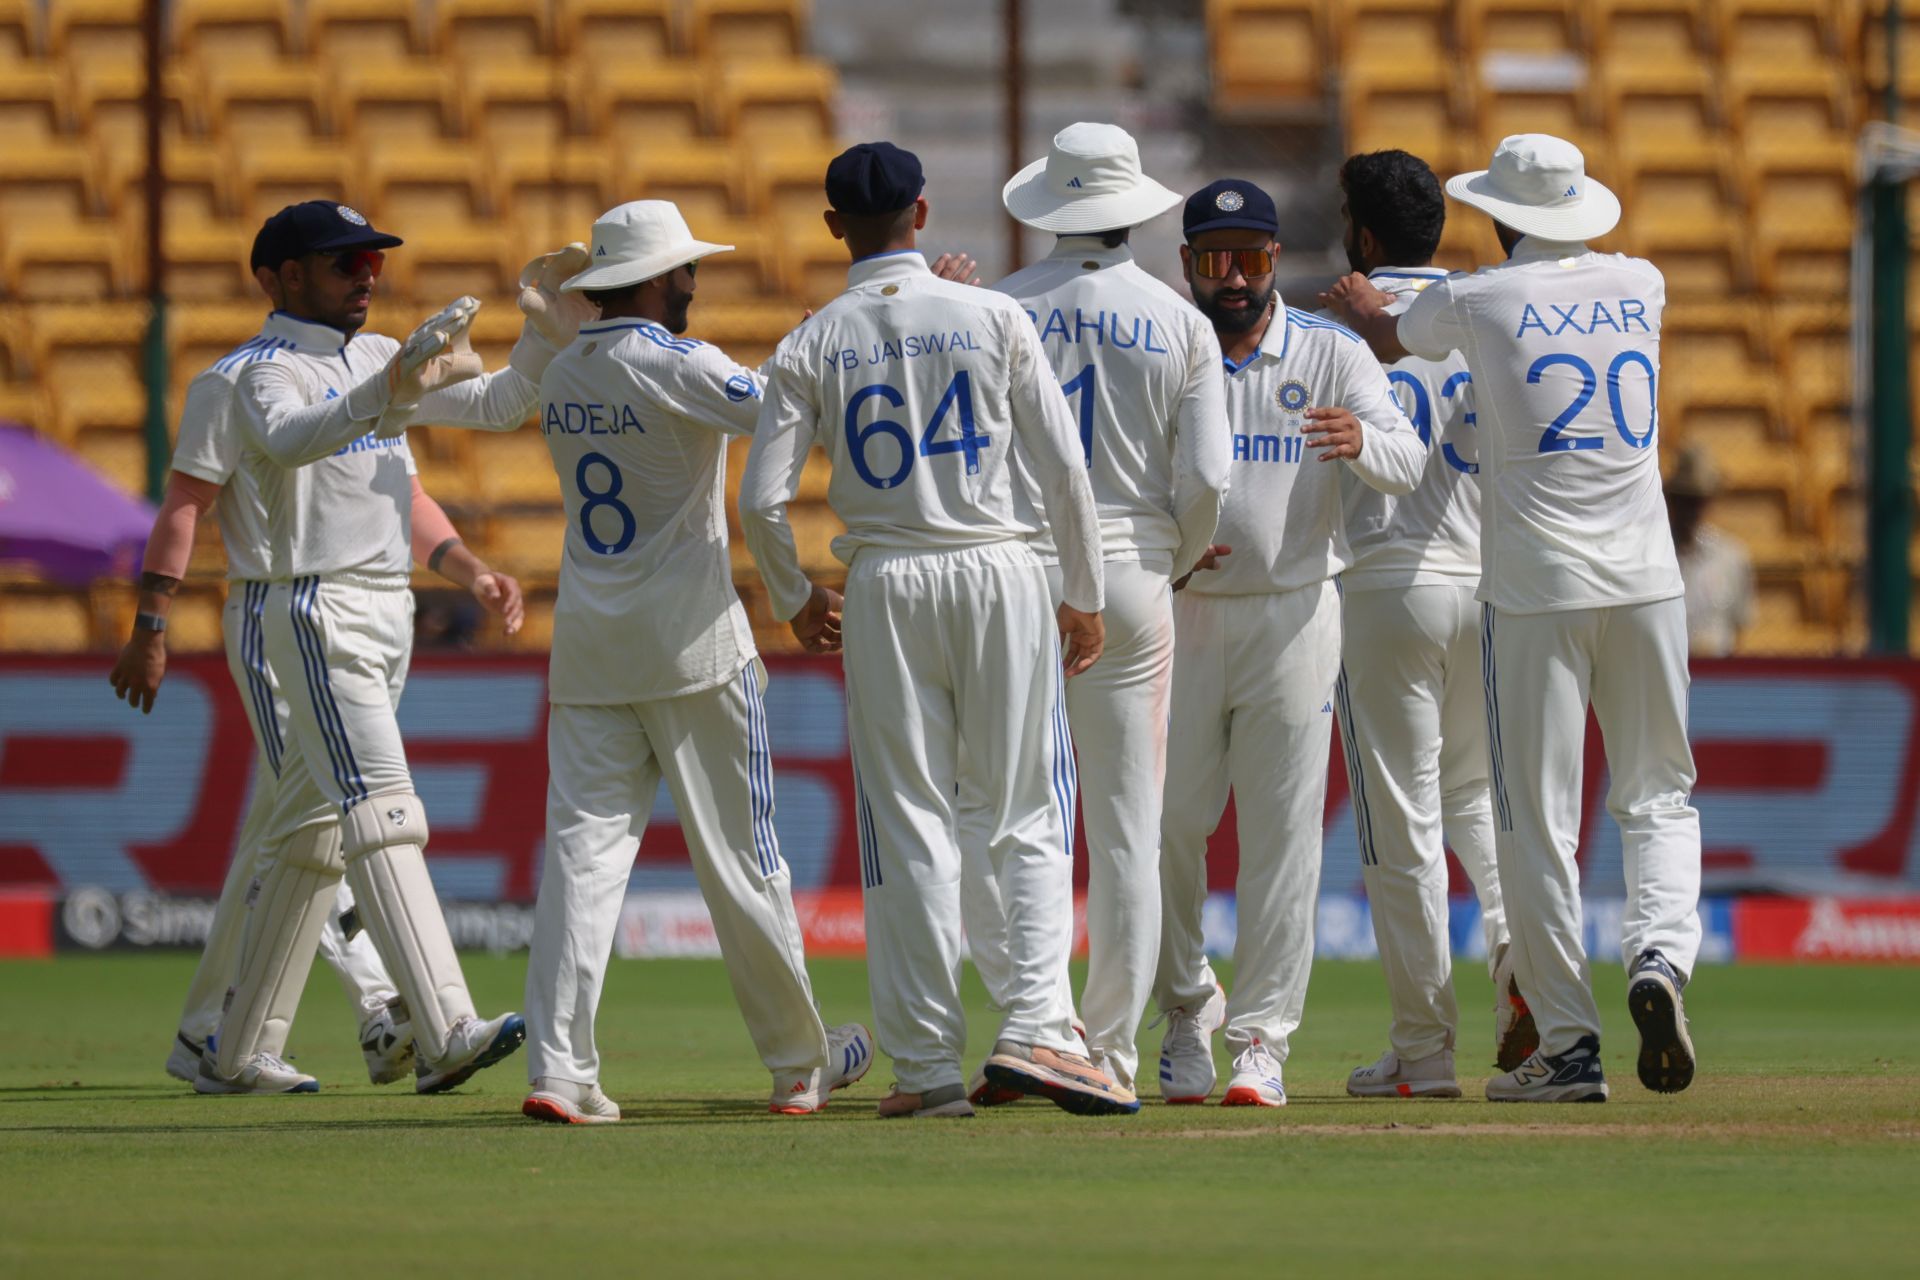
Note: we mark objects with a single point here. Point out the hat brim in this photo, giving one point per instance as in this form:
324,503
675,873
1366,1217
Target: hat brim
616,275
1597,213
1231,222
357,238
1027,198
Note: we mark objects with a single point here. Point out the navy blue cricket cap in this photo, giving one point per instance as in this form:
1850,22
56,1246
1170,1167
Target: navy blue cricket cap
1230,202
874,178
314,226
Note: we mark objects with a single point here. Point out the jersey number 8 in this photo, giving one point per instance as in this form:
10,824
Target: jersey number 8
958,397
608,497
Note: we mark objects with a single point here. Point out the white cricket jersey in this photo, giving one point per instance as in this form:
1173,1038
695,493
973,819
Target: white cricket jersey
1284,516
1141,370
922,391
1564,344
1432,535
637,422
338,497
209,447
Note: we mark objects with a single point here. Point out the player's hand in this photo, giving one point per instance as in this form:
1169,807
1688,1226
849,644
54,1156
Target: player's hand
817,625
1209,561
435,355
142,666
1082,637
1353,298
554,315
1336,432
957,267
499,593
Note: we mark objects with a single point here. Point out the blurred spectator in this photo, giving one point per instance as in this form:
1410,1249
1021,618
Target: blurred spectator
1713,564
445,620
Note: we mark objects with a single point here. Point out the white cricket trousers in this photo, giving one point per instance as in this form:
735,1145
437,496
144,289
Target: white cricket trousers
1413,732
354,959
604,766
1252,682
1542,671
944,648
1117,709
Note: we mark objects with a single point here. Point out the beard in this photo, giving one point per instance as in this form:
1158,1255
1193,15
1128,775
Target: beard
1232,319
1354,261
678,304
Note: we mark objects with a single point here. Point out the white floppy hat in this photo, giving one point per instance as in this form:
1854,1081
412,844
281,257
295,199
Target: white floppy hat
1090,180
638,241
1538,185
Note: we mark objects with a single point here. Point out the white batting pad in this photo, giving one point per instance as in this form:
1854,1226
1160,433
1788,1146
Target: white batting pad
290,906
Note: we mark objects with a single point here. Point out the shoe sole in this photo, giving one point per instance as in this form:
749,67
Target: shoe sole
1196,1100
504,1042
959,1109
1405,1089
552,1111
1522,1038
1245,1096
1079,1100
1564,1093
988,1094
1666,1051
221,1089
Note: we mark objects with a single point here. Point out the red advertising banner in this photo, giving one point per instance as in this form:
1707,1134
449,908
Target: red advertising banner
1809,780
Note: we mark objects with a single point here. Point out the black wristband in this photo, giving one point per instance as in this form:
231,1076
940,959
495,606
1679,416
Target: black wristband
440,553
149,622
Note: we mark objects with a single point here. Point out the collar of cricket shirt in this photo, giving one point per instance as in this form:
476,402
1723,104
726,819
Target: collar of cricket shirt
1090,249
1405,280
309,337
894,264
1278,316
1535,249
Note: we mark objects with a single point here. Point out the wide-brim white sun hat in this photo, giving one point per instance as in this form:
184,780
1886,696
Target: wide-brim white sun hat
1538,185
639,241
1089,180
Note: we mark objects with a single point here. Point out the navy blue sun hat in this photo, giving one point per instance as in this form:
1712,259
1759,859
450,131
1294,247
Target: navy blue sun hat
874,178
315,226
1229,203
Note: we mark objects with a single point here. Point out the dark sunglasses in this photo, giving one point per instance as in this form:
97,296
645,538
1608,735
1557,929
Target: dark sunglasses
1218,264
353,261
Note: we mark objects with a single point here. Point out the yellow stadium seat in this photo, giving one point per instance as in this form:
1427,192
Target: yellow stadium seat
527,541
1761,519
261,106
89,359
707,182
444,456
54,181
349,32
789,183
1413,109
747,29
109,106
1664,110
234,32
67,261
198,187
492,31
20,38
639,105
614,31
783,101
44,619
813,265
1785,104
1873,28
1410,32
438,197
1649,30
1266,52
269,178
118,455
1778,31
553,194
82,33
1815,344
523,103
206,259
414,101
1707,345
815,526
1531,27
33,104
514,468
26,403
1699,261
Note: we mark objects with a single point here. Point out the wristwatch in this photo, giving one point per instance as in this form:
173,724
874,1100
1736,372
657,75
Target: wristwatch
149,622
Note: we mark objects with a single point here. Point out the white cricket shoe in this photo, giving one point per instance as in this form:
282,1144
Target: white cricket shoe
1396,1077
849,1057
982,1092
1186,1050
1255,1081
262,1073
566,1102
1515,1036
472,1045
184,1062
1573,1076
948,1102
386,1041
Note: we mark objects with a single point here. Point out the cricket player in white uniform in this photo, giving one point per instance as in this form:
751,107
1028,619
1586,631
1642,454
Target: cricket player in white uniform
1141,371
1413,728
1257,647
1582,594
324,421
206,476
922,392
654,674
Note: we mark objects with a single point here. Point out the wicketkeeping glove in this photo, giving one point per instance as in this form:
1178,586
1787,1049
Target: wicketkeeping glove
556,315
436,354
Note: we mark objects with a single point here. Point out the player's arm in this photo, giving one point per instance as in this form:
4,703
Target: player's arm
706,387
1368,430
1357,304
142,664
439,547
787,425
1049,439
1202,459
272,410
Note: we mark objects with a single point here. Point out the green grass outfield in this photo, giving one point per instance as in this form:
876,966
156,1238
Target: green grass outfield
1797,1151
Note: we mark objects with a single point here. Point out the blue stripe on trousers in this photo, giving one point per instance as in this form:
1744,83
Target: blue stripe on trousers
1356,776
1495,754
253,662
326,709
760,775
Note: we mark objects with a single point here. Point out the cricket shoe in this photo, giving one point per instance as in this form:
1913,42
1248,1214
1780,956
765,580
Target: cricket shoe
1186,1050
1397,1077
1255,1081
262,1073
982,1092
949,1101
566,1102
1666,1050
386,1041
1068,1080
472,1045
1573,1076
849,1058
184,1062
1515,1037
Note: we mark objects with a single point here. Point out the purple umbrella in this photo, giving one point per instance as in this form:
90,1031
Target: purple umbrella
62,516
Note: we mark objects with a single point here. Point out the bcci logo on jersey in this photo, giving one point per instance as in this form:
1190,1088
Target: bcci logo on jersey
1292,395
